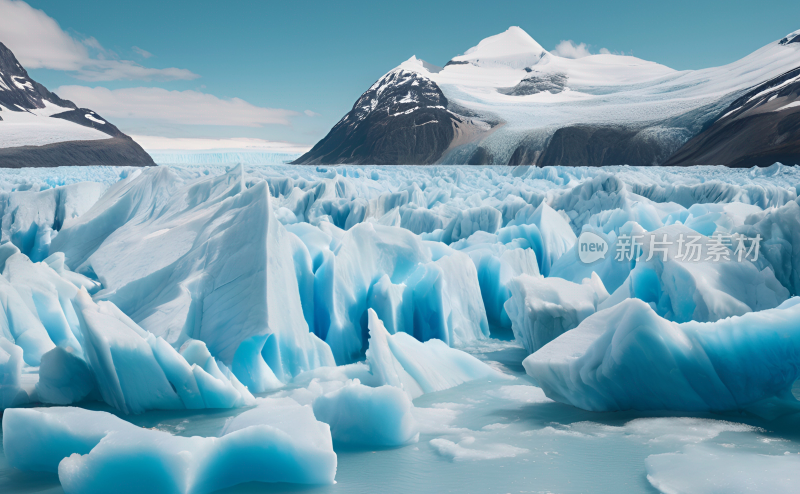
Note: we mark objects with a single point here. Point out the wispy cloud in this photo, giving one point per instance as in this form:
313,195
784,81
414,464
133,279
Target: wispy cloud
142,53
39,42
175,107
570,49
310,113
159,143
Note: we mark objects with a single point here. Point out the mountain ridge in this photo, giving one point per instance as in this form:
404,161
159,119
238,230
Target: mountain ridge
38,128
521,106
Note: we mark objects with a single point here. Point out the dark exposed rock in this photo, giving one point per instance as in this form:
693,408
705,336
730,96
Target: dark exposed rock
115,151
758,129
23,93
18,92
401,119
792,38
524,155
553,83
79,117
480,157
587,145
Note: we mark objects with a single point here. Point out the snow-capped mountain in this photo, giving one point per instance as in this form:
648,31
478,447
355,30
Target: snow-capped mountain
760,128
509,101
37,128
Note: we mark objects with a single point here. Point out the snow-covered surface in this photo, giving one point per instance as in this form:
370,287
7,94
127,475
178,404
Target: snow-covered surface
603,89
705,469
35,128
513,48
374,299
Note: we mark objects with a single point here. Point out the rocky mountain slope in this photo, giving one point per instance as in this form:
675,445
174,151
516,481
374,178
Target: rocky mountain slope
509,101
37,128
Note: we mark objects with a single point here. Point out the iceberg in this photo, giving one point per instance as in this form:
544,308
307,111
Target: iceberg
398,360
362,415
780,230
627,357
65,378
542,309
404,362
683,287
31,218
557,236
21,326
205,259
441,297
11,393
466,222
278,441
87,350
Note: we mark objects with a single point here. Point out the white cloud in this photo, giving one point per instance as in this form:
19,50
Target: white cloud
193,144
310,113
39,42
114,70
570,49
175,107
142,53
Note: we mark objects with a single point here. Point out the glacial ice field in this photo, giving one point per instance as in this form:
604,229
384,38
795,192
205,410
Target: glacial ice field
209,328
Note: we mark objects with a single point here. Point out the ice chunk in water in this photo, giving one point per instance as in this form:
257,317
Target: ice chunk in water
359,414
627,357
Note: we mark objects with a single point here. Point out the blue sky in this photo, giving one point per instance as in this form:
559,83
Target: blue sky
288,71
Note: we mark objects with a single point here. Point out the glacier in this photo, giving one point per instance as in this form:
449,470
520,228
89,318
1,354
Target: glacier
439,315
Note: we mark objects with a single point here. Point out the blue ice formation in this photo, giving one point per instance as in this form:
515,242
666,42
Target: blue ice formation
96,452
31,218
137,371
220,283
362,415
627,357
780,229
402,361
398,360
11,393
426,290
204,260
542,309
468,221
704,290
557,236
87,350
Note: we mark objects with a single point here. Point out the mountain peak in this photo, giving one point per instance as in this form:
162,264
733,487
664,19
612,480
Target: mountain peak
512,48
18,92
791,38
39,129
